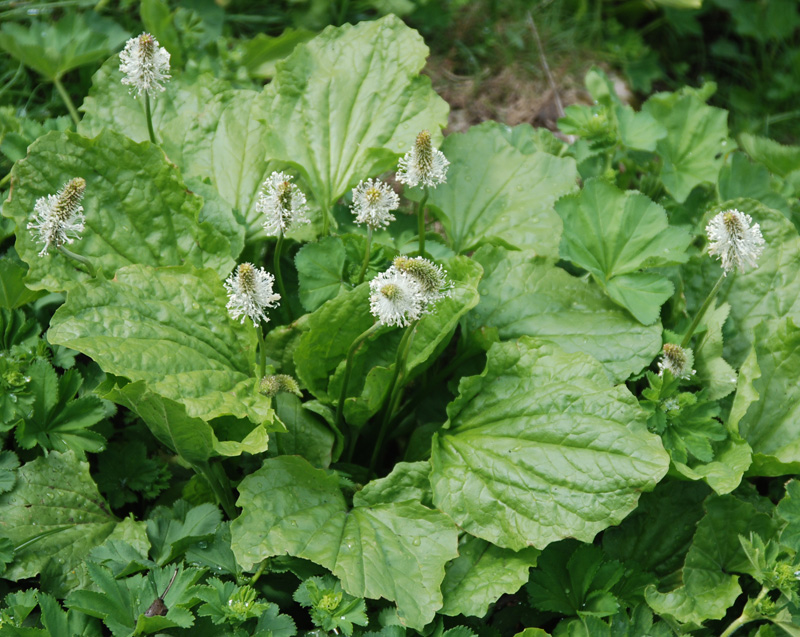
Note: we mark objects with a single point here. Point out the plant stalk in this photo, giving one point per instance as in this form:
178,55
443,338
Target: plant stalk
262,355
258,573
276,265
366,257
348,369
149,116
79,259
745,617
222,492
73,112
395,392
701,312
421,222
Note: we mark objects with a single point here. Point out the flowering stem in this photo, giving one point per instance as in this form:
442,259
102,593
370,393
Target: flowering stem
262,354
366,257
150,130
73,112
258,573
79,259
746,617
421,221
395,392
279,278
348,370
706,304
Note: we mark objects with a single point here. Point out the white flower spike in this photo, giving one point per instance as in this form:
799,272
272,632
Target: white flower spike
373,201
282,203
432,279
56,217
250,293
423,164
734,240
677,360
395,298
145,65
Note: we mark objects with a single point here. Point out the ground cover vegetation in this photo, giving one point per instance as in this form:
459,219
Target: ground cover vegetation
279,357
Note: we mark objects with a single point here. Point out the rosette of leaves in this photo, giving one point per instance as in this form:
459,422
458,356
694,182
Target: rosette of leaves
331,609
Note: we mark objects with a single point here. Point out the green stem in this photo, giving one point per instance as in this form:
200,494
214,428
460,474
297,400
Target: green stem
706,304
262,355
395,393
258,573
348,369
745,617
421,222
67,100
366,257
325,221
5,180
276,265
149,116
79,259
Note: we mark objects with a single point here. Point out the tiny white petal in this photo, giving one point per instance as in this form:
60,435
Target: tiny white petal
282,203
145,65
423,164
250,293
431,278
59,219
373,201
734,240
395,298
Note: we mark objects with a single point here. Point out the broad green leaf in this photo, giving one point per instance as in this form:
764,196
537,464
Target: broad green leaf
328,334
541,446
615,234
408,481
320,271
172,531
169,328
779,159
306,434
54,515
9,463
708,588
713,371
525,296
13,293
770,424
137,209
393,550
740,178
192,438
497,193
657,535
481,573
344,105
788,510
55,48
262,52
697,139
732,458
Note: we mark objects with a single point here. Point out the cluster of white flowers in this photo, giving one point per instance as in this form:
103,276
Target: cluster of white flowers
423,164
282,203
250,293
677,360
408,289
145,65
58,218
373,202
734,240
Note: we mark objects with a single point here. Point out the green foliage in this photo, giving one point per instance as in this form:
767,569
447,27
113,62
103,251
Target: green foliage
331,608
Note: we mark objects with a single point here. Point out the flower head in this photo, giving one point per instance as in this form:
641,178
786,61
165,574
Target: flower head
145,65
423,163
734,240
395,298
279,383
250,292
432,279
373,202
677,360
56,217
282,203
